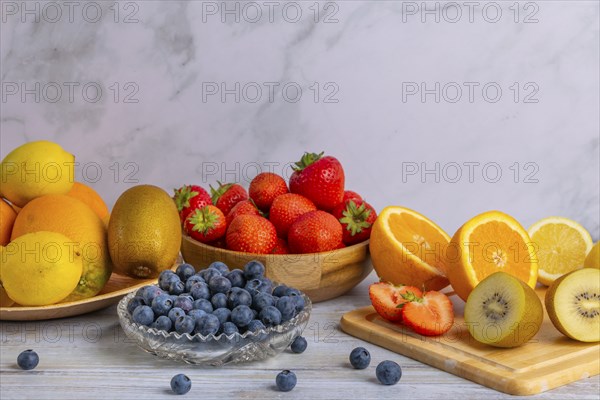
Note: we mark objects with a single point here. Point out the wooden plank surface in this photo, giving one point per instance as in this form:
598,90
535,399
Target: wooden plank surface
88,357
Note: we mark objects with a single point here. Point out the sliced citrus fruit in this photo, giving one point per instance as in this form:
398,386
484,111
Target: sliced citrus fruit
561,246
488,243
592,260
408,249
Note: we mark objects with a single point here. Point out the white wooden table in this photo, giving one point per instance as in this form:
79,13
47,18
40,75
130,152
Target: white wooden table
89,357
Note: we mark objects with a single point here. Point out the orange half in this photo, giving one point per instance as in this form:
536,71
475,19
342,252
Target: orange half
408,249
488,243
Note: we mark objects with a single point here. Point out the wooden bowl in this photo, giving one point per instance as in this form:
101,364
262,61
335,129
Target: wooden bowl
322,276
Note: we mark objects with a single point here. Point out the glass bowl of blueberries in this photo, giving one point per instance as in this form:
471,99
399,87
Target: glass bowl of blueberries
215,316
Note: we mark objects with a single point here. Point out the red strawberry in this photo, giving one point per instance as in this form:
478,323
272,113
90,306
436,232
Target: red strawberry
189,198
281,247
356,218
386,298
320,179
286,209
251,234
265,187
314,232
243,207
430,314
227,195
206,224
350,195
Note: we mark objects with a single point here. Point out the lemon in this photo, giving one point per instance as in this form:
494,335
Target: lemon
593,258
40,268
35,169
560,245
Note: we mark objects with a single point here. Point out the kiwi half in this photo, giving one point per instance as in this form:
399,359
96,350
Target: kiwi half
503,311
573,304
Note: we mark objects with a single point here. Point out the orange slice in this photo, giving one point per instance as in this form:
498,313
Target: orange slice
408,249
488,243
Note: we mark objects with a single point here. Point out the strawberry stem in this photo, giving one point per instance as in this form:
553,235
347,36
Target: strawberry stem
183,195
215,194
306,160
203,220
355,218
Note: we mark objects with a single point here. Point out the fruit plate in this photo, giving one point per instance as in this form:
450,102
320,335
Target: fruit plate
547,361
214,350
322,276
116,287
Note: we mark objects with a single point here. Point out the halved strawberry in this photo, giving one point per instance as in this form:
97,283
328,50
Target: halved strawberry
386,298
430,314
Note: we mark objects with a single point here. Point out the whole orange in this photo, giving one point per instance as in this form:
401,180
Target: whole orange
7,219
90,197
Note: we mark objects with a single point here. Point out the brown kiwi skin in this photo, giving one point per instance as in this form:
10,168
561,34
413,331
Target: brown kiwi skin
552,310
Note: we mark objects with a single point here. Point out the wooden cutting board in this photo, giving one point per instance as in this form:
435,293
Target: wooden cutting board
547,361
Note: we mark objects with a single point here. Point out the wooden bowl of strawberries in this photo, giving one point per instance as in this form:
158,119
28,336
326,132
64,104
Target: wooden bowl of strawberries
313,236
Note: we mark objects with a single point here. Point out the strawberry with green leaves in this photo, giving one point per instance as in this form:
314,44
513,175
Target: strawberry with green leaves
189,198
206,224
357,218
430,314
320,179
251,234
386,299
227,195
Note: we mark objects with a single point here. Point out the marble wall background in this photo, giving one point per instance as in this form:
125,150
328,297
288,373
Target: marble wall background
134,90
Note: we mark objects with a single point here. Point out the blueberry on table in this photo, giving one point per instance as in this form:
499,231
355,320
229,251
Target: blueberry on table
388,372
220,266
143,315
200,290
254,269
175,313
280,290
229,328
237,297
219,284
28,359
134,303
223,314
184,271
207,325
204,305
176,287
219,300
161,305
360,358
181,384
270,316
241,316
286,380
236,277
185,324
162,323
299,345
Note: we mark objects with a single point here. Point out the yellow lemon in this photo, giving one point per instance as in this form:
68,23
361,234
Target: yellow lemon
40,268
35,169
593,258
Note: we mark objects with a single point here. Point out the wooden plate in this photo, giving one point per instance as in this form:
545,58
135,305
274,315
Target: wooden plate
116,288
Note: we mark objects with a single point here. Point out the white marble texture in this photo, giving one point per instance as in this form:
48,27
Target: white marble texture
172,136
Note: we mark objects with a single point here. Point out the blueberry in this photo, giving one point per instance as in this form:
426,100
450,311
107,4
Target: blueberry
292,292
241,316
220,266
238,296
219,300
181,384
360,358
266,285
204,305
236,277
185,324
388,372
209,273
192,280
175,313
207,325
200,290
150,293
134,302
270,316
287,308
259,285
184,271
223,314
28,359
195,313
252,285
229,328
299,302
143,315
166,278
254,326
162,323
254,269
280,290
186,303
162,304
219,284
299,345
261,300
176,287
286,380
